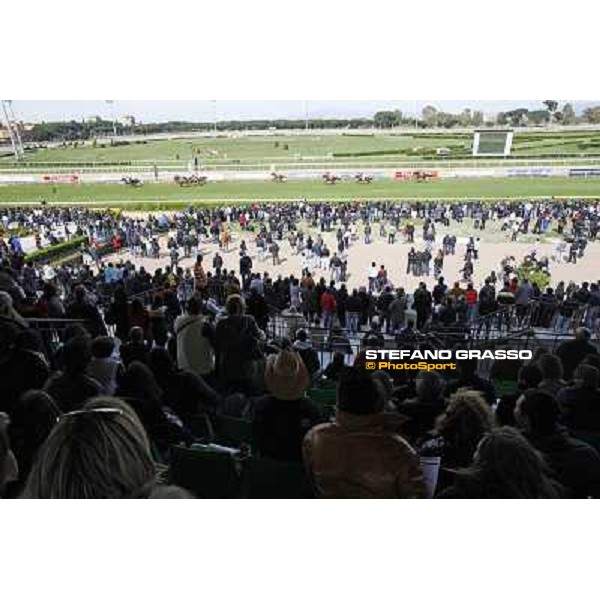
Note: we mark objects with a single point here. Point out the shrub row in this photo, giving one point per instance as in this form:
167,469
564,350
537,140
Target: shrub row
74,165
19,232
407,151
50,253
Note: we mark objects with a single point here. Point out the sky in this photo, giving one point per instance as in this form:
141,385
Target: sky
35,111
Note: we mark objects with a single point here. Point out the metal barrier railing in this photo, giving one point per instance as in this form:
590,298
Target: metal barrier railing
52,331
325,163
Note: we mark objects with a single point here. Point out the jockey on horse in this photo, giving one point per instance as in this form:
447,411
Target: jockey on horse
363,178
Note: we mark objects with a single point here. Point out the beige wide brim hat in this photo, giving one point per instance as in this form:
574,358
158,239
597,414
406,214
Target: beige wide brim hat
286,376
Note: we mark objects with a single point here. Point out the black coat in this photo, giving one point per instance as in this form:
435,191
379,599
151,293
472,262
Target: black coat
574,464
580,407
279,427
571,353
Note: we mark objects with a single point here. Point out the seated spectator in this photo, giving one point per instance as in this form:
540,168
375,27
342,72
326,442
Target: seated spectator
82,308
141,391
529,377
373,338
458,431
407,334
580,402
337,341
104,367
32,420
186,393
11,322
334,368
8,314
505,465
467,377
361,454
22,367
572,352
100,451
9,470
50,305
593,360
72,331
136,348
574,464
71,387
292,322
425,407
538,353
386,386
195,339
552,371
283,417
237,348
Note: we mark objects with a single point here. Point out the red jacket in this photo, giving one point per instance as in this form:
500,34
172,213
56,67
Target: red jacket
471,297
328,302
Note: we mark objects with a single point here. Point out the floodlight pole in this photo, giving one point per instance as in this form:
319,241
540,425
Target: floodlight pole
13,129
416,115
16,127
305,116
111,103
214,105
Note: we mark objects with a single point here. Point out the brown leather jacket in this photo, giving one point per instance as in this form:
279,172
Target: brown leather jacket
363,457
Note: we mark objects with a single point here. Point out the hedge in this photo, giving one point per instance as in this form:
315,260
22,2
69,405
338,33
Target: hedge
408,151
73,164
19,231
56,251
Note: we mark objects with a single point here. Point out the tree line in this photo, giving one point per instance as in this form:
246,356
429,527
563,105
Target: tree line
550,112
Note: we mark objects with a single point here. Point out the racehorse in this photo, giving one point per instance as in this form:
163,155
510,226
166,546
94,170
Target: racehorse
132,181
363,178
330,178
420,176
183,180
278,177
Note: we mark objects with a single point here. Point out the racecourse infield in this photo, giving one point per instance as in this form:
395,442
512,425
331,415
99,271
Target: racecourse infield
151,193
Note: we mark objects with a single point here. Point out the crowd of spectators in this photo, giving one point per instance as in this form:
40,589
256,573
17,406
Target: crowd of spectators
92,408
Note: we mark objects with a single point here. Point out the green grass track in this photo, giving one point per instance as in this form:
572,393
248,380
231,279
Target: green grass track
167,192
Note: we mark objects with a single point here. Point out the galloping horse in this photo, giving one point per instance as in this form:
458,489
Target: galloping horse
278,177
132,181
363,178
194,179
423,175
330,178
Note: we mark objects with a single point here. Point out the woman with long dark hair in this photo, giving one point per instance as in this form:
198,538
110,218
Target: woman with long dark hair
505,465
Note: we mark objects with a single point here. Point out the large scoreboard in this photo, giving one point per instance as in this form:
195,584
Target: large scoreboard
492,142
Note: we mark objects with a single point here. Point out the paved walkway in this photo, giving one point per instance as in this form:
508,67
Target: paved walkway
494,247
